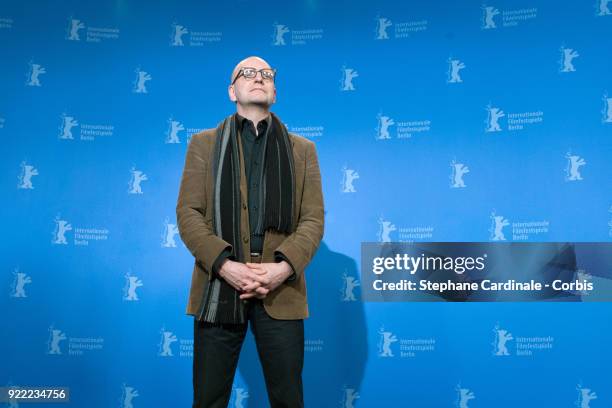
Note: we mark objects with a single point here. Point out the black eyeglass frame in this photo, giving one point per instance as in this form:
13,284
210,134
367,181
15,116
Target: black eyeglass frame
260,71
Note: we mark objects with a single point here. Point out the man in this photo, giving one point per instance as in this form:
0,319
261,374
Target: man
250,210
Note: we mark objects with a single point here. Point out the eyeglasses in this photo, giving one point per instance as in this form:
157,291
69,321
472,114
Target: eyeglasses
250,73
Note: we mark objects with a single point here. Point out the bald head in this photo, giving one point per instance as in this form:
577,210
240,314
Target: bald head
255,92
248,62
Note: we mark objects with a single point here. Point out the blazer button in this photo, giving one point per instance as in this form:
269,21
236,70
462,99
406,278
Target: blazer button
244,206
245,239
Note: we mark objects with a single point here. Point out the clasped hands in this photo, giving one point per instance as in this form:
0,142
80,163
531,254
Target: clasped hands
254,279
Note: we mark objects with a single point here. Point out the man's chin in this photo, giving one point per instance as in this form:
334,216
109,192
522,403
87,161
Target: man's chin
262,103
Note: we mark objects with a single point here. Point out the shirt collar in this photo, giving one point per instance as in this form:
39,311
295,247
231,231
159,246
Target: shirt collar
242,120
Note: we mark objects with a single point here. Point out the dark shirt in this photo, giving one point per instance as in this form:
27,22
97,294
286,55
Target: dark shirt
254,156
253,153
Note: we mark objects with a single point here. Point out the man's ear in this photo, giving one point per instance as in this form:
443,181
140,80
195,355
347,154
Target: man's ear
231,93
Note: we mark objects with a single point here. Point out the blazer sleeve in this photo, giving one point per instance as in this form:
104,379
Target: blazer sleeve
192,209
300,246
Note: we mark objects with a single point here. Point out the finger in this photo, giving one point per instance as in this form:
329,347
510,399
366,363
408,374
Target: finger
258,268
262,279
247,295
262,291
235,285
251,286
255,265
239,284
246,281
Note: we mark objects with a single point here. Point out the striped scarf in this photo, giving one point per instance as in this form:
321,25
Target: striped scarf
221,302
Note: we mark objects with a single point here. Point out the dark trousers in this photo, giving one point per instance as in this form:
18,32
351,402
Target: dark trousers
216,348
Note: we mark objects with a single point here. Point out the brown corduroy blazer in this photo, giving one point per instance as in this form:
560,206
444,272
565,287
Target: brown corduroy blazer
194,218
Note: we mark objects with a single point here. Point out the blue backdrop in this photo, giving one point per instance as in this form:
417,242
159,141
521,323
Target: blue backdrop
433,121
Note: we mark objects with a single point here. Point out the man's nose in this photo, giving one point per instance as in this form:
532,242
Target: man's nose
259,79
